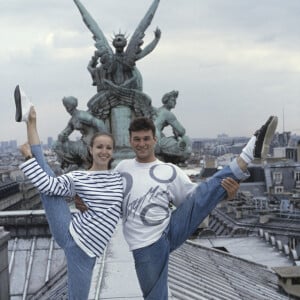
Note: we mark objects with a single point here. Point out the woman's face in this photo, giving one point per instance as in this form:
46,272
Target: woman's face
102,151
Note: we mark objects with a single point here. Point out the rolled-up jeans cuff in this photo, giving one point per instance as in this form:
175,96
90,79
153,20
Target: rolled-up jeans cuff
238,172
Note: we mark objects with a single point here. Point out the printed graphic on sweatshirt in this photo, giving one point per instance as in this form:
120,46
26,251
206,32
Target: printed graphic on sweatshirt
152,205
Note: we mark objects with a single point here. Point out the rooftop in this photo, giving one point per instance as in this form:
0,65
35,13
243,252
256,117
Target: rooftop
197,270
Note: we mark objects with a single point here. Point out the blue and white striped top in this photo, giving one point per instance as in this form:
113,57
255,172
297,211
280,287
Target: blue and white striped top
102,193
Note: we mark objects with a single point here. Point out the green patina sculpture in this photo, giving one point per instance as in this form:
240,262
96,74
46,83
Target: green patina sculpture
176,148
76,152
120,97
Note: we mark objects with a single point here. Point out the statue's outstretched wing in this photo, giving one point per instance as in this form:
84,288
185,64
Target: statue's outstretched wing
101,44
136,41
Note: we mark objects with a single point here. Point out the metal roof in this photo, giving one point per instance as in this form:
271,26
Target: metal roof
197,272
32,264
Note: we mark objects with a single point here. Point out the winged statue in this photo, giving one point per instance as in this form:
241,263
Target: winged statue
119,66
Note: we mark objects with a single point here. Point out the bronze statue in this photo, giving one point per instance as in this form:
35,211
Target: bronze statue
176,148
120,97
112,70
117,68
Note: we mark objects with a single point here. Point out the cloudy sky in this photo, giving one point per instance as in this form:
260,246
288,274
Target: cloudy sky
234,62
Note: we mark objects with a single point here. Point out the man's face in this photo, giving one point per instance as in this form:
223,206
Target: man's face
143,144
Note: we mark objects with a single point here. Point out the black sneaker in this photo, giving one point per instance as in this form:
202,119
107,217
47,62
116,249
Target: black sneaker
23,105
264,137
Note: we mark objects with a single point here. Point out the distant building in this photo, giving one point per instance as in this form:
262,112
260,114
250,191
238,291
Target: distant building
292,153
197,145
50,142
8,146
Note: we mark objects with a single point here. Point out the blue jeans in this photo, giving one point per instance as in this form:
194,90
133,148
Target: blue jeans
79,264
151,262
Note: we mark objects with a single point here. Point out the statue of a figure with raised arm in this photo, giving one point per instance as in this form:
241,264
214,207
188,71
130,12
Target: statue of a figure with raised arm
111,70
120,97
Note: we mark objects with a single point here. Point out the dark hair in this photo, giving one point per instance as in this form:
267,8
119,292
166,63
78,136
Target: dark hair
141,123
97,134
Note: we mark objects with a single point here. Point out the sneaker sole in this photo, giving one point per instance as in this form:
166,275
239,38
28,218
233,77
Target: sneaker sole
268,137
17,96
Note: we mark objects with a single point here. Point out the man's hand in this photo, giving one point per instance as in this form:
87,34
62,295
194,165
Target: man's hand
231,187
79,204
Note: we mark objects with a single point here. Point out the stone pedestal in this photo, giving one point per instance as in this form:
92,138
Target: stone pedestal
4,275
120,120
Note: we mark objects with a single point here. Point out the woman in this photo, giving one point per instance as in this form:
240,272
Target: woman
83,236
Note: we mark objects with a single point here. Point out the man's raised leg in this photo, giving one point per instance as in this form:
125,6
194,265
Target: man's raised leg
189,215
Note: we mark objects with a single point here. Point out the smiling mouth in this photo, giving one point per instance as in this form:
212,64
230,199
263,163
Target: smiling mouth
143,151
104,157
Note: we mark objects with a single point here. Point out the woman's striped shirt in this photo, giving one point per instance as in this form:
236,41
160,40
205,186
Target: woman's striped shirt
102,193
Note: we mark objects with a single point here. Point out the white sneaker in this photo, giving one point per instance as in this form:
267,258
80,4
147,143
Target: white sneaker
23,105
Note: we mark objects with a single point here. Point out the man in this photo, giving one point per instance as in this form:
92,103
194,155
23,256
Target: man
151,227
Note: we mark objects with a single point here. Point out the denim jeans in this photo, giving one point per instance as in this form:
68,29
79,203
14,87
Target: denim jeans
79,264
151,262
